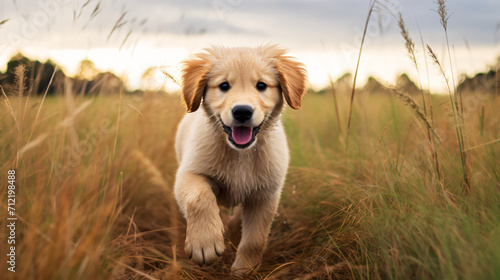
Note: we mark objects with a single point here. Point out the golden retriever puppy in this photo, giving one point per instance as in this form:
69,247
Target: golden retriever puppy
233,151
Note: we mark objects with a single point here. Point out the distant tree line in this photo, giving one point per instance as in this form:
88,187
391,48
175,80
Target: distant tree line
487,82
32,77
343,85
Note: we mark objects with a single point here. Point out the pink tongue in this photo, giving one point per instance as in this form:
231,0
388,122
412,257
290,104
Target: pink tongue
242,135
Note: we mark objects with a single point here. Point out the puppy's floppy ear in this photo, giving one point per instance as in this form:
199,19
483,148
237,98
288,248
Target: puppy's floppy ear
292,76
194,81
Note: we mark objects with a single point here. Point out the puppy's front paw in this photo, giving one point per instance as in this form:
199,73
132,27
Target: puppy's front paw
205,241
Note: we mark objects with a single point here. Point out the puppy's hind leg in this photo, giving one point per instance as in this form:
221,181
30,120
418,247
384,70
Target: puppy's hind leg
233,232
257,217
205,231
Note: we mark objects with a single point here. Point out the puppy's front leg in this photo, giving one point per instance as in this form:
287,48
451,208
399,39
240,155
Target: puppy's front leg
257,217
204,233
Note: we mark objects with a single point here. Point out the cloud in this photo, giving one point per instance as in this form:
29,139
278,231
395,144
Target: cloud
306,24
319,26
190,25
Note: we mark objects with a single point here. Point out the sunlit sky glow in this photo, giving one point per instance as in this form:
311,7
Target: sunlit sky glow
325,35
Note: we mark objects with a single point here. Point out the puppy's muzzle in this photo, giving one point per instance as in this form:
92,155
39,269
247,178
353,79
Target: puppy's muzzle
242,133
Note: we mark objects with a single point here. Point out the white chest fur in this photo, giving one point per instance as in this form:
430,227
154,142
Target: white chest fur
239,173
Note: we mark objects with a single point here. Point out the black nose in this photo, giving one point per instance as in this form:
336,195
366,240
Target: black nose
242,113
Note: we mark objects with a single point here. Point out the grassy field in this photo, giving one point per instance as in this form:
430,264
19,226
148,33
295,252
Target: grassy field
94,199
409,190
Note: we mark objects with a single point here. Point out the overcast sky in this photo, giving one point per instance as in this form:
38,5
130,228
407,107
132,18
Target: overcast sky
324,34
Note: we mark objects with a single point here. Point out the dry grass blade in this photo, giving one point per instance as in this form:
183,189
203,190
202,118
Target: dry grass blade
118,121
68,120
433,143
443,13
85,4
457,117
169,76
416,109
20,79
435,59
117,25
41,103
459,114
135,109
32,144
154,174
156,177
320,273
125,40
335,101
482,145
77,14
4,21
370,11
270,274
96,11
11,111
409,44
145,275
410,48
238,252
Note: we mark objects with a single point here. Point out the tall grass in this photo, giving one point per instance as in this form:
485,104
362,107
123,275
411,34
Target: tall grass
431,135
458,109
370,11
405,226
85,214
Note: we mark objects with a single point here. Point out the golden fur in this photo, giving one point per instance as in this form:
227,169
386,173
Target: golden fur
212,171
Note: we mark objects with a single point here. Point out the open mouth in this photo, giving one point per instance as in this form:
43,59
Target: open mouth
241,136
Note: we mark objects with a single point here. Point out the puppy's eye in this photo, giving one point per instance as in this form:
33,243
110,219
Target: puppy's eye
224,86
261,86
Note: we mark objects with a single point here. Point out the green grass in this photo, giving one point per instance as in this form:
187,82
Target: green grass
376,211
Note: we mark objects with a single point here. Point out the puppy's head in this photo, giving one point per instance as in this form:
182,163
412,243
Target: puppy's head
242,88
